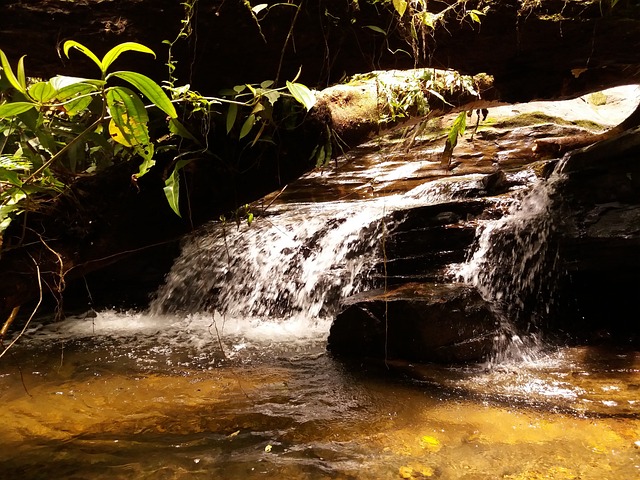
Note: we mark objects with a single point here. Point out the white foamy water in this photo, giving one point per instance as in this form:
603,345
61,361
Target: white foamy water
273,286
513,267
301,261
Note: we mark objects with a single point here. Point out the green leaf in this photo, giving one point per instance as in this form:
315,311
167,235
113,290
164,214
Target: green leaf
75,97
149,89
12,109
22,79
475,15
376,29
179,129
232,114
10,176
400,6
457,129
42,92
128,116
8,73
69,44
302,94
8,207
116,51
61,82
15,162
247,126
172,187
272,96
146,152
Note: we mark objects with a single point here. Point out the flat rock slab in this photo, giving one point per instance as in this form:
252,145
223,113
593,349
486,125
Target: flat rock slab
427,322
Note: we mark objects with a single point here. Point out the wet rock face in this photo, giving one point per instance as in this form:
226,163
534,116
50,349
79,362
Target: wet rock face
599,241
422,322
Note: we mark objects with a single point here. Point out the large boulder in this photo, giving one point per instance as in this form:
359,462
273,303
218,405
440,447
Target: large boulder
417,321
598,228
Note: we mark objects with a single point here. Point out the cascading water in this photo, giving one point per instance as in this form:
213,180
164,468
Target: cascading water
513,265
302,262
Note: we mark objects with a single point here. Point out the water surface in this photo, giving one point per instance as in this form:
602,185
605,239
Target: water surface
138,396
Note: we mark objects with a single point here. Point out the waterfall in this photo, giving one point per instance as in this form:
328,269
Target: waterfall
300,261
514,266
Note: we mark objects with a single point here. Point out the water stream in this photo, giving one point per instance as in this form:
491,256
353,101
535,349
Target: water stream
226,375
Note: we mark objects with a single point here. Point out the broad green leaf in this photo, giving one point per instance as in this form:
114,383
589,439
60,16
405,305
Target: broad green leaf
400,6
272,96
12,109
7,73
69,44
266,84
172,191
60,82
149,89
116,51
146,152
5,218
177,128
302,94
10,176
147,161
15,162
129,118
458,128
172,187
42,92
22,78
247,126
75,97
376,29
232,114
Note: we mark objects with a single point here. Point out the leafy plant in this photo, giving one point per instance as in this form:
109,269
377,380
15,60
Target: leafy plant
457,130
252,106
419,21
58,129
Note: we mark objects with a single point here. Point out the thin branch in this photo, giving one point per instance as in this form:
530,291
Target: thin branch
26,325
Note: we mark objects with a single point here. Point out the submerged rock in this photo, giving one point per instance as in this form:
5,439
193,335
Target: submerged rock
417,321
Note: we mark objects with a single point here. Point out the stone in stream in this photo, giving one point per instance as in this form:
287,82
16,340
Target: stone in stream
417,321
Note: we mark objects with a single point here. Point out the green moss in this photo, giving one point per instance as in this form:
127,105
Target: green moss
597,99
540,118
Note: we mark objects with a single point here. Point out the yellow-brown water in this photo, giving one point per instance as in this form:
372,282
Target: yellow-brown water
152,405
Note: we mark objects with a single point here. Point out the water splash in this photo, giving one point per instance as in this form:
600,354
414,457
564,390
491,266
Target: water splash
514,266
300,261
